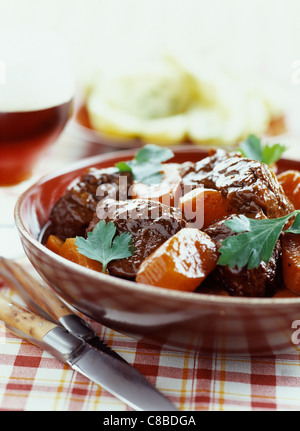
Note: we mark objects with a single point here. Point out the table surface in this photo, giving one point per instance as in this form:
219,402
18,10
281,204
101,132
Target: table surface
32,380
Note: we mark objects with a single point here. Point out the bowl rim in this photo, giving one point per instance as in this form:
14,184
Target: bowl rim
197,298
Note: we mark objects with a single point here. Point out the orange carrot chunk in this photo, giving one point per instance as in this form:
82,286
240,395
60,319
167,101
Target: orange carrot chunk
69,251
181,263
54,243
290,182
286,293
291,262
202,207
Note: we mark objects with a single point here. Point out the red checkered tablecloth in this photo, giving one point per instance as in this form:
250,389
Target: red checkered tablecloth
32,380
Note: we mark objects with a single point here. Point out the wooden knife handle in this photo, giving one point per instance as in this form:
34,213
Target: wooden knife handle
17,317
26,284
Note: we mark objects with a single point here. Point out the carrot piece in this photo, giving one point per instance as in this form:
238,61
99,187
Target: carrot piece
54,243
285,293
181,263
69,251
290,182
291,261
202,207
164,192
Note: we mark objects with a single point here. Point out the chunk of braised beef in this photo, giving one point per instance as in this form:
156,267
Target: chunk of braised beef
250,186
263,281
73,212
149,222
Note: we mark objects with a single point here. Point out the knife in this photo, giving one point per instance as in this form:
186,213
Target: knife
42,301
108,368
116,376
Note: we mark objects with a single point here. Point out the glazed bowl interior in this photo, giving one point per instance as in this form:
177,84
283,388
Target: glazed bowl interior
177,320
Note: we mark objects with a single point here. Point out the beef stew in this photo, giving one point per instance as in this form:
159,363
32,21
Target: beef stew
248,188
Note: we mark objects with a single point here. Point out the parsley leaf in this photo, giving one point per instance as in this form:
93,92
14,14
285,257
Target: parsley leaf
255,241
295,228
102,244
253,149
272,153
146,166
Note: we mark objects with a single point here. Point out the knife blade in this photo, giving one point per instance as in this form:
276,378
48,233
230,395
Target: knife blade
115,376
40,299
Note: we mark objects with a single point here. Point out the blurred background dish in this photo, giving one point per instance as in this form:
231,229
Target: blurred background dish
219,70
172,100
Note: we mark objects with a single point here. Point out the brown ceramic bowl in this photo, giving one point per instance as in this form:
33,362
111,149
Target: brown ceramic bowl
202,322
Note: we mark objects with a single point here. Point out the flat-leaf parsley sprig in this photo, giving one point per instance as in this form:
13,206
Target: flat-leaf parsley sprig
146,166
253,149
255,241
102,244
